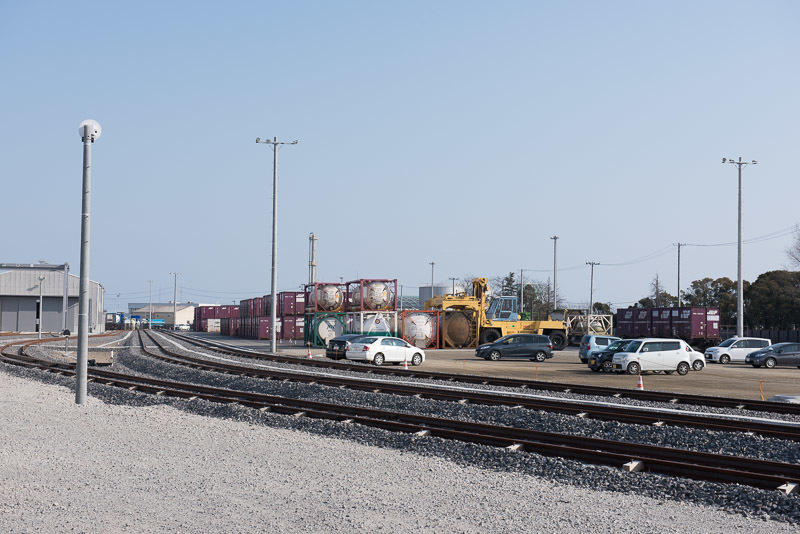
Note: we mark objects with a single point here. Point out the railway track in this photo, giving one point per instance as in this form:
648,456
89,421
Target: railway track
630,456
657,396
624,414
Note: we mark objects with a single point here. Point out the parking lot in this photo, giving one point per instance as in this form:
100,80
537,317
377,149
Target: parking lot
732,380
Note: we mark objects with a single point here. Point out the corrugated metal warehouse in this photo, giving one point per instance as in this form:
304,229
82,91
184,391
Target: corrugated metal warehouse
19,300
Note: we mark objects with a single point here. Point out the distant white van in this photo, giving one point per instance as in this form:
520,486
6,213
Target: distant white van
654,354
736,349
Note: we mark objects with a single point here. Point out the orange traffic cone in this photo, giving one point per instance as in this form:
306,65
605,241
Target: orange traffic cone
405,363
640,385
308,356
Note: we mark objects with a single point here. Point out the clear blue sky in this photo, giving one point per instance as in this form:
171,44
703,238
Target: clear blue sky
464,133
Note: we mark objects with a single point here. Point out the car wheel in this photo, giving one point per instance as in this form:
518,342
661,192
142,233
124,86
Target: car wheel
697,365
683,368
725,358
540,356
770,363
633,368
608,367
378,359
416,359
494,355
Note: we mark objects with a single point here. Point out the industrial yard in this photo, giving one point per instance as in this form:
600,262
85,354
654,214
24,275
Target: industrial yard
420,267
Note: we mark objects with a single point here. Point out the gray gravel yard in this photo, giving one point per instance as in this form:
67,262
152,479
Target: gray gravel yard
151,467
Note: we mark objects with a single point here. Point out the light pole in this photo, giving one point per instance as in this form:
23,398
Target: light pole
453,279
739,284
41,308
150,308
175,300
679,271
591,264
555,274
432,264
273,328
89,131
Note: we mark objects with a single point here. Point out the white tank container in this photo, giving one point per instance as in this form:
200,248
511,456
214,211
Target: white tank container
419,329
329,328
376,296
327,297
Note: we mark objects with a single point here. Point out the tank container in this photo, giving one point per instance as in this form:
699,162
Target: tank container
420,328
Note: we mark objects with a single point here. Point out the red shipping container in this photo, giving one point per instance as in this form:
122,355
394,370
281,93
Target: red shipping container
625,320
291,303
661,321
264,328
641,323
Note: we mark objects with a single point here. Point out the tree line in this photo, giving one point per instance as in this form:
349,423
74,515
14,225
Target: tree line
772,301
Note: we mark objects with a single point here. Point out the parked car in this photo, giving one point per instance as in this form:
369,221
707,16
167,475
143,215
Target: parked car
775,355
384,349
601,361
736,349
529,346
592,344
654,354
337,347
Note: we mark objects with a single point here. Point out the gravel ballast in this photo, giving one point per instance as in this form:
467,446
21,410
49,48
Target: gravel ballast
733,443
149,466
359,369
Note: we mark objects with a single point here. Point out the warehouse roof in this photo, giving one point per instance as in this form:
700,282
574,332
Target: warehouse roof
25,283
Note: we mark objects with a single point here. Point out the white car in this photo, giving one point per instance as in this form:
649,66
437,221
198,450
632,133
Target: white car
736,349
654,354
378,350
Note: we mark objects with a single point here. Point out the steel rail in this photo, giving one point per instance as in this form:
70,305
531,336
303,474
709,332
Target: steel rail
632,415
658,396
674,462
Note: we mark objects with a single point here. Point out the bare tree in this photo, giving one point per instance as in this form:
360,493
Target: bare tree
794,250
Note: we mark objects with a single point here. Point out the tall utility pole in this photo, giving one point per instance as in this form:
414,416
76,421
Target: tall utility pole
591,264
555,273
274,144
739,284
312,258
41,308
150,313
117,309
89,131
432,264
521,293
679,245
658,292
174,300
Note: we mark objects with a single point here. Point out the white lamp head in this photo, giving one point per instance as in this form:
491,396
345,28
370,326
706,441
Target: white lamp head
90,128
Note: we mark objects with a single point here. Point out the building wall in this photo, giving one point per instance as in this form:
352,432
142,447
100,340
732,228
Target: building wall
19,301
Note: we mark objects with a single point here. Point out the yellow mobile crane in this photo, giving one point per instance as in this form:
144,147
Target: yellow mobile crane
466,320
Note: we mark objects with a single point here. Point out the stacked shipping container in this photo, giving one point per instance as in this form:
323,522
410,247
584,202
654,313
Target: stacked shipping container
696,324
206,318
255,316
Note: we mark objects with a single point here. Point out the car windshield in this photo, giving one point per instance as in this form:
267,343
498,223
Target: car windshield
618,345
728,342
633,346
503,339
777,346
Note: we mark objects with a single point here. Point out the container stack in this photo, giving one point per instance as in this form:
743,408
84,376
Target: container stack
255,316
371,306
689,323
324,312
209,318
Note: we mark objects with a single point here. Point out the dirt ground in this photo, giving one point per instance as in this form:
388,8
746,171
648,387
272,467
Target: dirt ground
732,380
